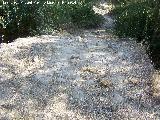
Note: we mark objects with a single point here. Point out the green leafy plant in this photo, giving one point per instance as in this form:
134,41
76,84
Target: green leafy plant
84,16
23,19
140,20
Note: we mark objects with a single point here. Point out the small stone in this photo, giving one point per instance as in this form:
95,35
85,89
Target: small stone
74,57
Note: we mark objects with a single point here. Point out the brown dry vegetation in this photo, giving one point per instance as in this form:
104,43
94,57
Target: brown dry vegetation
156,85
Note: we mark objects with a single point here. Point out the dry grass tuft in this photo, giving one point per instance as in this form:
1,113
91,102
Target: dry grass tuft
156,85
105,83
90,70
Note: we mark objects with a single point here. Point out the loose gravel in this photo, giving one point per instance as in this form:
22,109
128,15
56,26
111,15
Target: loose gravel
90,76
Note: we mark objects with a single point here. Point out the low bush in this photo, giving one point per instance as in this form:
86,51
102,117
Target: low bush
23,19
84,16
20,19
140,19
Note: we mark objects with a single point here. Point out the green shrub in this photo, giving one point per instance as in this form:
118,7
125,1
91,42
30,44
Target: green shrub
84,16
133,21
80,14
140,19
24,19
1,16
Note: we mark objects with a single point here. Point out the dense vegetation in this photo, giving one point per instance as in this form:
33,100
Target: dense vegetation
20,18
140,19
